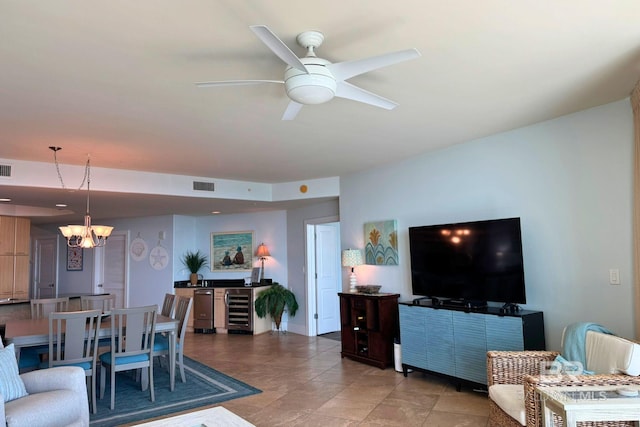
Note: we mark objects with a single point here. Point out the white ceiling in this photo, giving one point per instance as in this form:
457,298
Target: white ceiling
115,79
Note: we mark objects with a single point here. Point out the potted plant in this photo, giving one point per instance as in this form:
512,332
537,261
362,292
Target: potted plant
274,301
194,261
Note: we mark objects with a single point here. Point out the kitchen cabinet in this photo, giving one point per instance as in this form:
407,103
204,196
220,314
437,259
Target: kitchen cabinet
241,322
219,310
15,243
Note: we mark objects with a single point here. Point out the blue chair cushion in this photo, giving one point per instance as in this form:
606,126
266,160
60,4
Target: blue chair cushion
105,358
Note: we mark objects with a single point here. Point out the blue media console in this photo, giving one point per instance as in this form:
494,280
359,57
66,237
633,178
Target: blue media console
454,341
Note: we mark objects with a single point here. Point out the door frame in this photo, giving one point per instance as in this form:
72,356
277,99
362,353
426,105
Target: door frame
35,269
310,270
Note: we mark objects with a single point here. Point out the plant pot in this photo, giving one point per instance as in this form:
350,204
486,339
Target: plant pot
277,319
193,278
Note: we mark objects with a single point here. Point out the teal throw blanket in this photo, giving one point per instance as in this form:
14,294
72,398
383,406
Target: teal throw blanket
573,346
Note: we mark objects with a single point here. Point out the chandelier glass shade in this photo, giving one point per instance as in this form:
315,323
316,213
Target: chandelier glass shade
87,235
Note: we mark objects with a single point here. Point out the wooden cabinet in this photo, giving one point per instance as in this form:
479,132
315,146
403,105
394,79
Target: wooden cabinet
369,324
15,243
220,316
220,310
455,342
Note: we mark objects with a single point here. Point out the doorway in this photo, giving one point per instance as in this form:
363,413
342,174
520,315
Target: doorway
324,280
111,268
45,271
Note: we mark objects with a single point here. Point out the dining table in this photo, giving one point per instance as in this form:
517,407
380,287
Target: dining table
24,333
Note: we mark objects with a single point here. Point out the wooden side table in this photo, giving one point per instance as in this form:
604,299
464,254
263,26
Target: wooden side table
588,403
369,324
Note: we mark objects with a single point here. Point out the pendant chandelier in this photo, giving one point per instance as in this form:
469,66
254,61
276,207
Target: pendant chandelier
86,235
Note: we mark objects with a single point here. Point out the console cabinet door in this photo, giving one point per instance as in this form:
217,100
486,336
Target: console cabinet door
348,336
470,346
504,333
413,335
440,341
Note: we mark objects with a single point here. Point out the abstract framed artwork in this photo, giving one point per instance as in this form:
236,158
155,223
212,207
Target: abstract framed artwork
74,259
381,242
232,251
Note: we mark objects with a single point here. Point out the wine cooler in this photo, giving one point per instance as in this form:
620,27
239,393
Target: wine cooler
239,304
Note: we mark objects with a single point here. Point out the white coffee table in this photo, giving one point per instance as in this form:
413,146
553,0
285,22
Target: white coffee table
212,417
588,403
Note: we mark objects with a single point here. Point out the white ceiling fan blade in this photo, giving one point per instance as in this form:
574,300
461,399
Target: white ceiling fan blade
278,47
349,91
347,69
292,110
236,83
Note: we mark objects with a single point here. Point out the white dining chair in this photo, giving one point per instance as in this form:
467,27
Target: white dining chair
132,339
161,345
73,341
104,302
41,307
32,357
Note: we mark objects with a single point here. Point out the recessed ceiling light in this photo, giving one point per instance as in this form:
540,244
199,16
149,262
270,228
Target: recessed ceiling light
215,212
61,205
4,199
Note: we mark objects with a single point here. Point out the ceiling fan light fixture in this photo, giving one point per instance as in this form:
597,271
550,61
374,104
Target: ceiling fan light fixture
310,94
317,87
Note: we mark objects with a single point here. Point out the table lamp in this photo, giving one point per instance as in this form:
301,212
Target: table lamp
352,258
262,253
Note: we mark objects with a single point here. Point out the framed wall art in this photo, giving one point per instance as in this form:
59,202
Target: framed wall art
232,251
381,242
74,259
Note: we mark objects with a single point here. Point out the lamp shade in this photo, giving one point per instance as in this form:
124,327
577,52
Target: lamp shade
262,251
351,257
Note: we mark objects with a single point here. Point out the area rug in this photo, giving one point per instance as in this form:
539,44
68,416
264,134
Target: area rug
204,386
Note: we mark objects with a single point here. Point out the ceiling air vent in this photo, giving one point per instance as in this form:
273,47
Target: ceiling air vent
5,170
203,186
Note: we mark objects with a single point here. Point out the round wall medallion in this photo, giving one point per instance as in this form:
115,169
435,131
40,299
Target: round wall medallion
158,258
138,249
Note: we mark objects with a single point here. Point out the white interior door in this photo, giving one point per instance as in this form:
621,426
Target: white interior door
111,268
45,274
327,277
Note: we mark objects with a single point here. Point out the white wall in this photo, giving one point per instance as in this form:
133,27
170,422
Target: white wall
146,285
267,227
570,181
296,260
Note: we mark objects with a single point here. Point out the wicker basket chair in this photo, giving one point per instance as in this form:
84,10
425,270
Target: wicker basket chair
523,367
510,367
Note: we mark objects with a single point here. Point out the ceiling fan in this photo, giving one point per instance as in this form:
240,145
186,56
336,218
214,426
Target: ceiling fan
312,80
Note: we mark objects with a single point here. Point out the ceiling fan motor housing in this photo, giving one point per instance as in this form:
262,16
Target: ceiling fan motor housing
317,87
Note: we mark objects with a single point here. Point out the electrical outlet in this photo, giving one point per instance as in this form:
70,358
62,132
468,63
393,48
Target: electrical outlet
614,276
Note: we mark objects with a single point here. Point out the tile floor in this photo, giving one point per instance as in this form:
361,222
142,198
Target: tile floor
305,382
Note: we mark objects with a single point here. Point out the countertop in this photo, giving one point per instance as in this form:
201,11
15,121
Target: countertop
221,283
7,301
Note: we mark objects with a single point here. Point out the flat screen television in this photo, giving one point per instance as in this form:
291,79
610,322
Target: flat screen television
471,262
